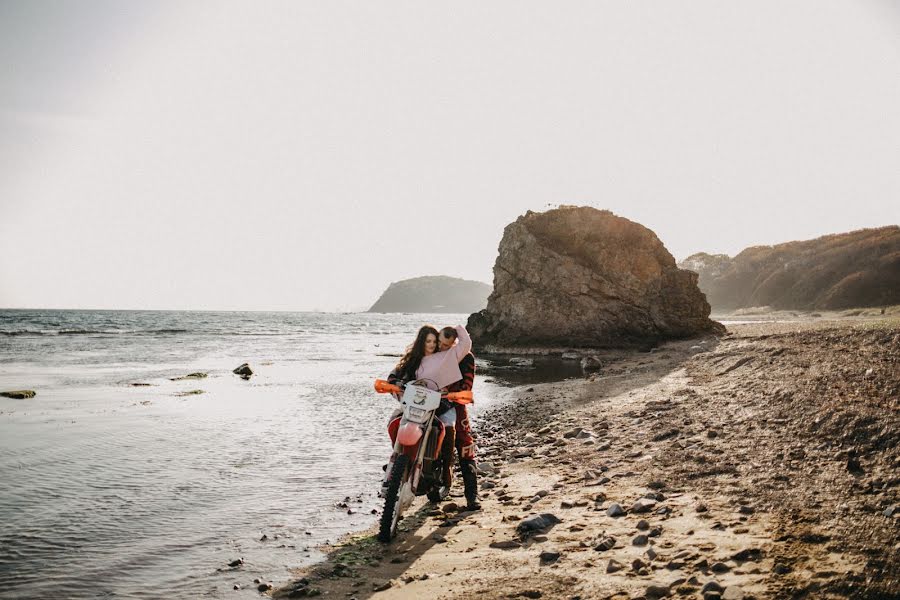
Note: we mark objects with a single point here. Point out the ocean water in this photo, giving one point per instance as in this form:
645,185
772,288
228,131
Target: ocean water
116,491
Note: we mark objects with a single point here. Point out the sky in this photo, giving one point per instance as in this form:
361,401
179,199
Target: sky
303,155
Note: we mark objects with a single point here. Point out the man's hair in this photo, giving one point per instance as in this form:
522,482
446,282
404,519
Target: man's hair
449,333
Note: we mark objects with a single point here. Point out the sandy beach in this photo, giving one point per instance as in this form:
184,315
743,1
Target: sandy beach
760,464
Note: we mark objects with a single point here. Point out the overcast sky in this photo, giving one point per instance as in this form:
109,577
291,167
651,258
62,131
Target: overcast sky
302,155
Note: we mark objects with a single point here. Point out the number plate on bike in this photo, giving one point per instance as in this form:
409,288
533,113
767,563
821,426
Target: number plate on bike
420,397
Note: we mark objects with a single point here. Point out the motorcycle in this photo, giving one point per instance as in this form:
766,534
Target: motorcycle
416,465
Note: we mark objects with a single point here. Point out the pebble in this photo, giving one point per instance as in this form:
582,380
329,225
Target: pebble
606,544
656,590
637,564
651,554
236,563
733,592
615,510
890,511
711,586
548,557
639,540
505,544
720,567
643,505
613,565
537,523
643,525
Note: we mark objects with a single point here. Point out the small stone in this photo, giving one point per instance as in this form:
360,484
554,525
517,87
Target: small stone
614,510
613,566
381,586
890,511
264,538
572,433
639,540
746,510
733,592
781,569
651,554
656,590
537,523
264,587
637,564
643,525
566,504
711,586
720,567
606,544
450,507
236,563
548,557
701,508
643,505
505,544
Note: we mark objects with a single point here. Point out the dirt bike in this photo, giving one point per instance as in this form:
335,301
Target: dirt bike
416,466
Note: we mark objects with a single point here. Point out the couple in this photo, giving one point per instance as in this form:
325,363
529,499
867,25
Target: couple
443,360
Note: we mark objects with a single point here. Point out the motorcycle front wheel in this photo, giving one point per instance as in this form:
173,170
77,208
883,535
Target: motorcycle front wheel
391,515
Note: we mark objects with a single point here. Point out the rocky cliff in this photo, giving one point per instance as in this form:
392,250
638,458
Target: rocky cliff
581,277
849,270
433,294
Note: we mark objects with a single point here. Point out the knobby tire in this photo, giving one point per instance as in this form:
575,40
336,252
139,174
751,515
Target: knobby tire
388,527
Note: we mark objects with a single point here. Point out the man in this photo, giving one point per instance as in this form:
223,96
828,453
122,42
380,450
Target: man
465,442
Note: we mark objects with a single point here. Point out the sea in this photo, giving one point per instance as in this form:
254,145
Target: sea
120,480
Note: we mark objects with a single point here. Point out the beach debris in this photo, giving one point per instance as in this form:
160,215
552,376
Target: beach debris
244,371
197,375
19,394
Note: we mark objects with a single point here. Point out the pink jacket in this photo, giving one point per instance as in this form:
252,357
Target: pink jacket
443,367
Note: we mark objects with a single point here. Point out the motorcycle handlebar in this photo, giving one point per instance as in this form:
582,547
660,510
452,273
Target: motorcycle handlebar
384,387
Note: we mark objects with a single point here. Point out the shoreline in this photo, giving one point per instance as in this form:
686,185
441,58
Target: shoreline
762,464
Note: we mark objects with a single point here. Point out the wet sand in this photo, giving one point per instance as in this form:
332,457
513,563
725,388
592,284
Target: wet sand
762,464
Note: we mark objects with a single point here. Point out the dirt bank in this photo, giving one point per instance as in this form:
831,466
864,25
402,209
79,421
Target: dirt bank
764,464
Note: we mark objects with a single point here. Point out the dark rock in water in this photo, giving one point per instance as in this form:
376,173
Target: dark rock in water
197,375
19,394
581,277
264,587
236,563
589,364
244,370
537,523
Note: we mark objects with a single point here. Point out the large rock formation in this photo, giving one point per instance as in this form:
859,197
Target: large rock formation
848,270
433,294
581,277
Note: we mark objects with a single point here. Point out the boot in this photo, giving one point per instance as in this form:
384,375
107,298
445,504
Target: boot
448,454
470,481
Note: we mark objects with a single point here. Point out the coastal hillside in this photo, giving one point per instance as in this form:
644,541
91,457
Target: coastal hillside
848,270
433,294
576,276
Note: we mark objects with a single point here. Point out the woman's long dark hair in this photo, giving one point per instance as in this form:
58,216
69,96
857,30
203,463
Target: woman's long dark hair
410,362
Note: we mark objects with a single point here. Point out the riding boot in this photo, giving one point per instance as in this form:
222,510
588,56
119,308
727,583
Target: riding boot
470,481
448,454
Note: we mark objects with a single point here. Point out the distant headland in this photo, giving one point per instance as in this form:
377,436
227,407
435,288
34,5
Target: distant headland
433,294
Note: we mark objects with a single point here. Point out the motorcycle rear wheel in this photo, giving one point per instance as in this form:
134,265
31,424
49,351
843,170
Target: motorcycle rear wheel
391,515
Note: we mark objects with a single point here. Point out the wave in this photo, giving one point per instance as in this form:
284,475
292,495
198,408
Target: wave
17,332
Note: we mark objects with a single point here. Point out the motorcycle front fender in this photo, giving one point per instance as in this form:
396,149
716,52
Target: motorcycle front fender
409,434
